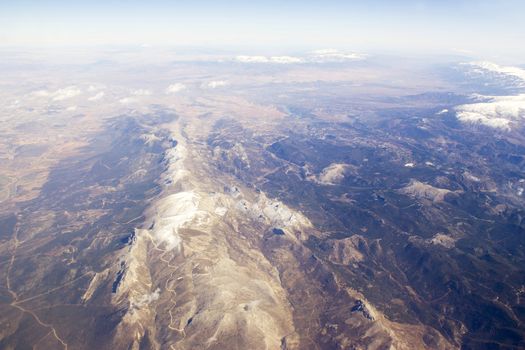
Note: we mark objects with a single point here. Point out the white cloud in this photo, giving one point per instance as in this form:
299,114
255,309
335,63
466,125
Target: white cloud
60,94
96,87
496,111
133,98
97,96
272,59
71,108
174,88
318,56
214,84
333,55
507,70
252,59
127,100
463,51
66,93
41,93
285,59
141,92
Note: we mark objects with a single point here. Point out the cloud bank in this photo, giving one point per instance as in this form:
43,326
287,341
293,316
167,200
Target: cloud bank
272,59
333,55
317,56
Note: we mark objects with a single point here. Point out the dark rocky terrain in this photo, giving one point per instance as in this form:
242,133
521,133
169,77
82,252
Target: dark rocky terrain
452,261
85,215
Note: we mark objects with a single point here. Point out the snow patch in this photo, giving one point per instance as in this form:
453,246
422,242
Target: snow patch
273,213
175,158
498,112
149,139
443,240
146,299
173,213
507,70
422,190
221,211
333,174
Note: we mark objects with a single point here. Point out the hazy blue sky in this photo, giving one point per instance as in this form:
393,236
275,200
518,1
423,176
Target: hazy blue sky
407,25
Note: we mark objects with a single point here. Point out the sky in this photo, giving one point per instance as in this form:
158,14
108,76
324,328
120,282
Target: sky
424,26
